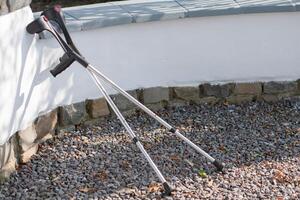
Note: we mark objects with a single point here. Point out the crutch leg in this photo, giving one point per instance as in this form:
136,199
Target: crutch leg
217,164
166,186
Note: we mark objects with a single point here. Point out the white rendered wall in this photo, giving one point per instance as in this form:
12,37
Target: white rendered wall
239,48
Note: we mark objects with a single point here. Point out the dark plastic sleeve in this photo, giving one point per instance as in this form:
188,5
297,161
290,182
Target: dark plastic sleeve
65,62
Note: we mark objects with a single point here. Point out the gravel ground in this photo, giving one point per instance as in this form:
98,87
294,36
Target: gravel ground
258,142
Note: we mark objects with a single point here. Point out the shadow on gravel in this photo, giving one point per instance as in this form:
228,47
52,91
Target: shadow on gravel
237,135
100,160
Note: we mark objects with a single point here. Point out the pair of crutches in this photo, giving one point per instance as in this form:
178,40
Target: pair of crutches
52,20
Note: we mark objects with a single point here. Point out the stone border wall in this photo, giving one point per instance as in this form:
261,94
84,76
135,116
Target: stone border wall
24,144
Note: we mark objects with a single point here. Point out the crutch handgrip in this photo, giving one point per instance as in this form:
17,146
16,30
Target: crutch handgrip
65,62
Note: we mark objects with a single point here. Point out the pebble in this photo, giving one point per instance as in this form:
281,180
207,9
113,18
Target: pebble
258,142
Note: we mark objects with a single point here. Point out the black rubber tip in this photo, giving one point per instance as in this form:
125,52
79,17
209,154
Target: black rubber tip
135,140
167,189
218,165
172,130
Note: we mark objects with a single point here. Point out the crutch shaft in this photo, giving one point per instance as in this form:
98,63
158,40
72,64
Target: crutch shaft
129,97
128,129
218,165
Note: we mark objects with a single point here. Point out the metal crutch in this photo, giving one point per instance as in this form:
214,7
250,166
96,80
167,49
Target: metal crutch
56,15
72,54
134,138
217,164
41,24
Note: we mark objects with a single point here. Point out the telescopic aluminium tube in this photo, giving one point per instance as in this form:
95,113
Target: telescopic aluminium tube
155,116
130,131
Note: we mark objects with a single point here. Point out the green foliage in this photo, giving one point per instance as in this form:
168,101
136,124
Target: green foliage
202,173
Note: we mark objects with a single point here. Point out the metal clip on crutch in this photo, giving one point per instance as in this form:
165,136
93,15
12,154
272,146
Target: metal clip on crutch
53,17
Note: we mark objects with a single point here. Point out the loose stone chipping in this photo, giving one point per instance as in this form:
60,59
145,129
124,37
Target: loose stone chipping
259,143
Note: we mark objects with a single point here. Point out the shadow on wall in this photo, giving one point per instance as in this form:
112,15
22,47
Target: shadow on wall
13,51
5,153
26,87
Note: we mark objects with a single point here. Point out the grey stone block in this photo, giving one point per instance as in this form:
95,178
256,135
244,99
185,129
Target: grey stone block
72,114
155,95
196,8
97,16
26,138
3,7
210,90
248,88
220,91
29,138
152,10
123,103
26,155
227,89
8,161
97,108
27,141
45,125
17,4
187,93
258,6
280,87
